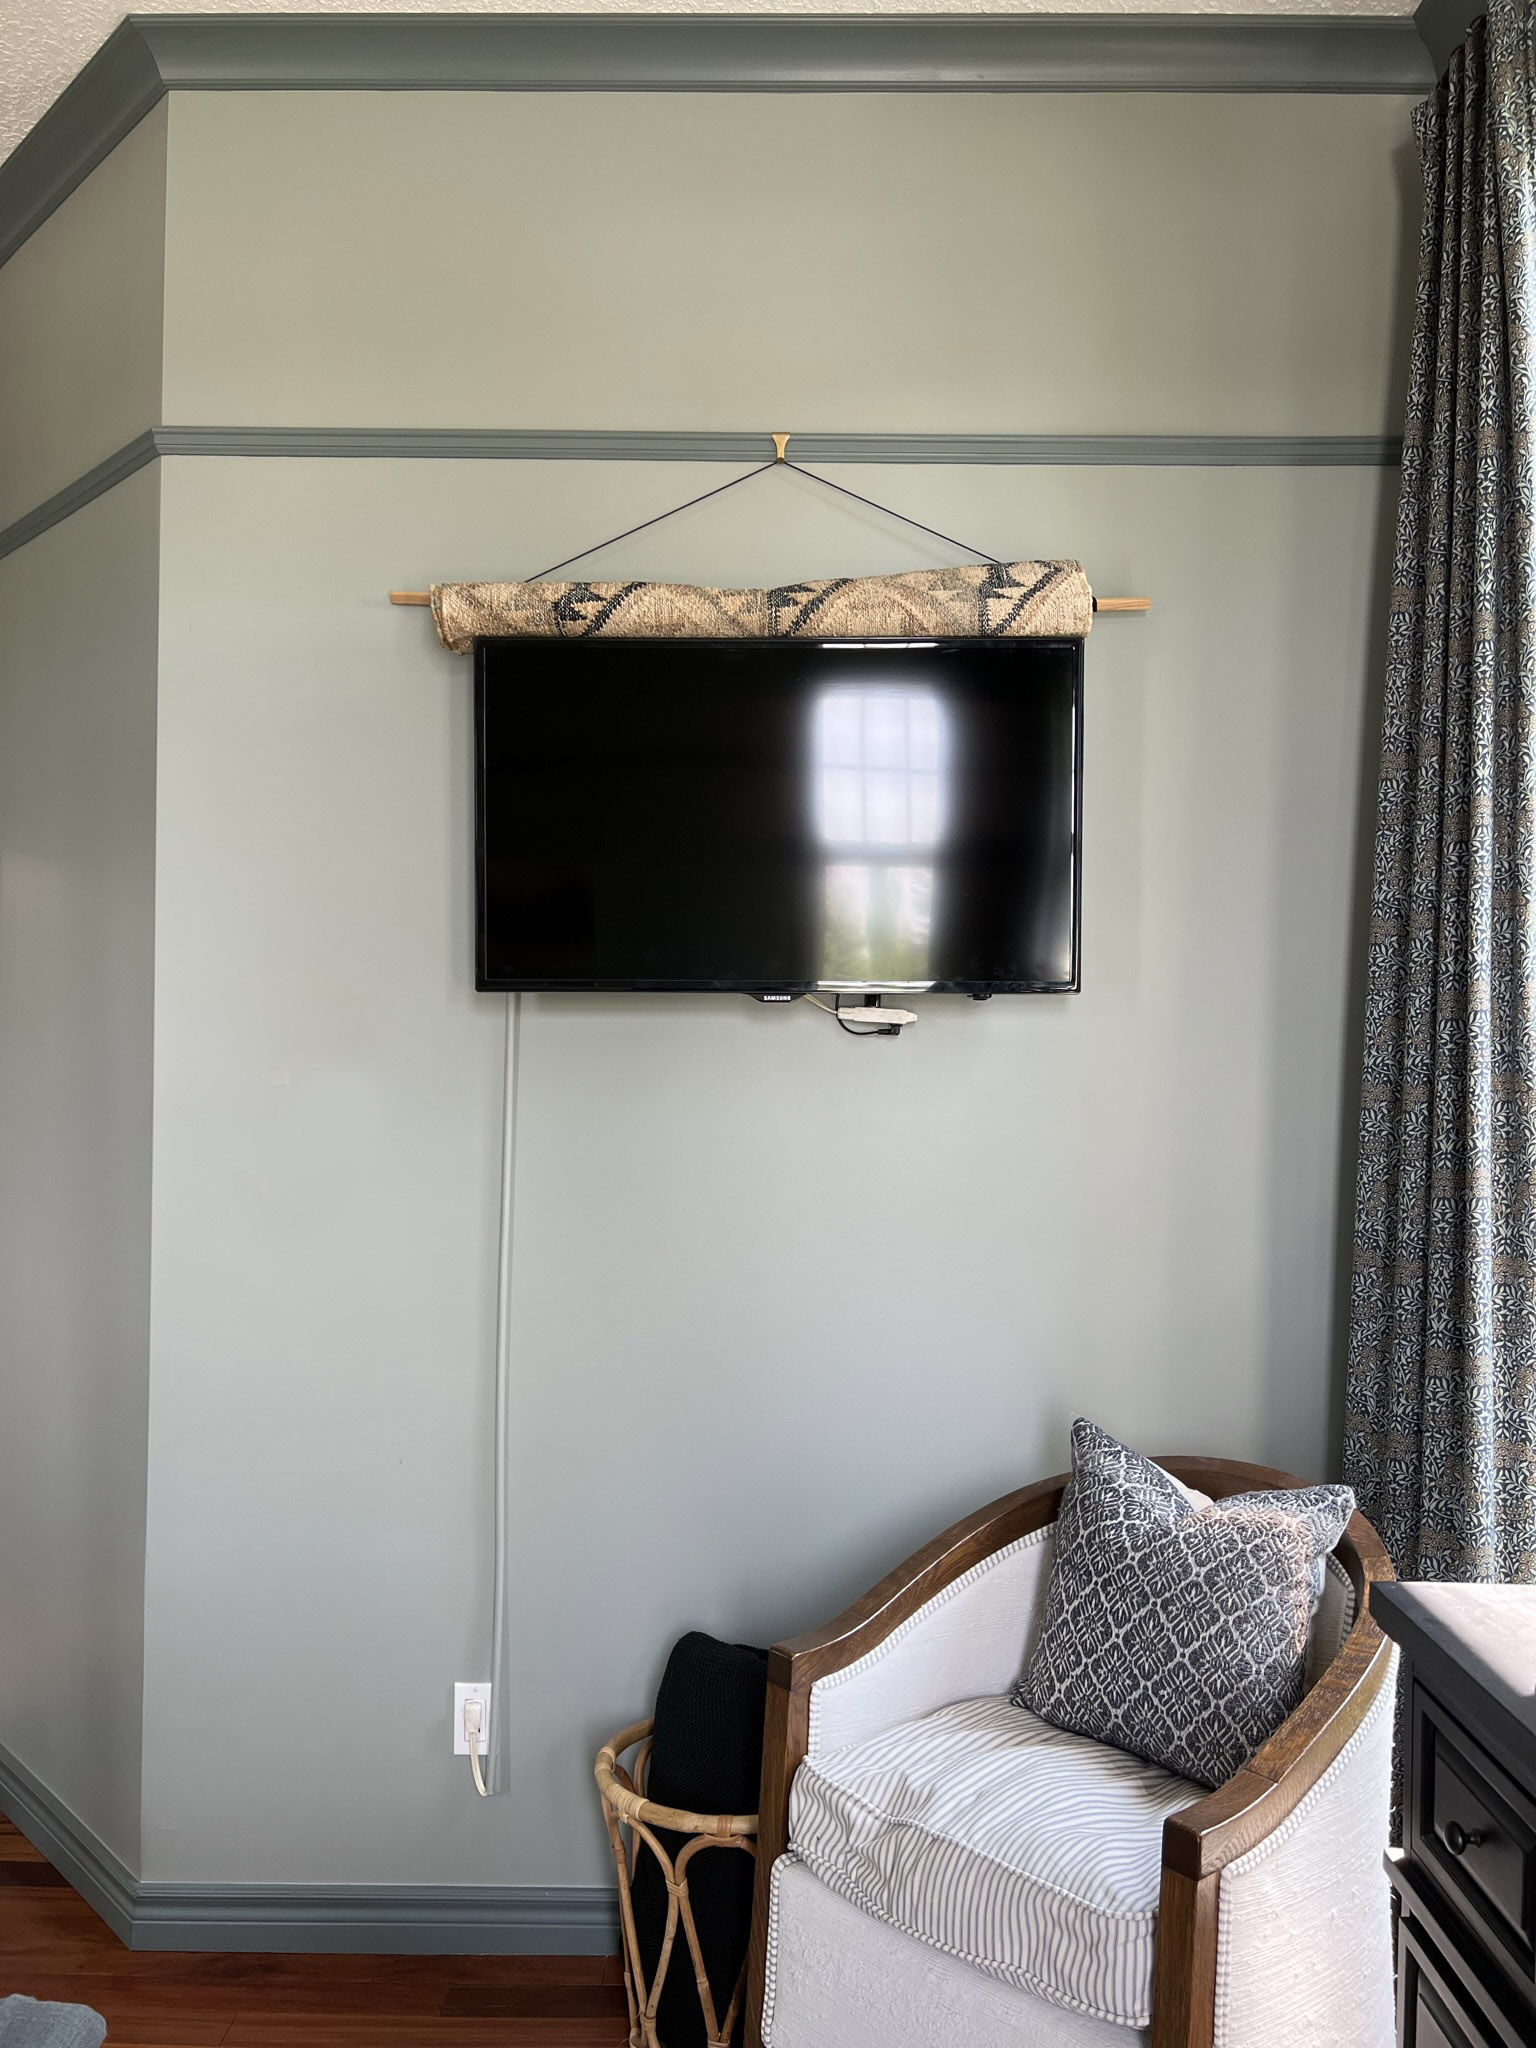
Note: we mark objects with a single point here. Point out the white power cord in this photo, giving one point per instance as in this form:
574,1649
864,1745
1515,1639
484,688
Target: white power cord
472,1736
503,1399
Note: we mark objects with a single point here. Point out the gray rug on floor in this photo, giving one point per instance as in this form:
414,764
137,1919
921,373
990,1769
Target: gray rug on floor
25,2023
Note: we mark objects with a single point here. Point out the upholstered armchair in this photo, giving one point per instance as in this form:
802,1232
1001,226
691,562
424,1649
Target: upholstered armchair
1067,1895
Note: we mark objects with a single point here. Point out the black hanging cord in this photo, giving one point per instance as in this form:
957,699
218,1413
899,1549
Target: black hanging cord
778,462
671,512
890,511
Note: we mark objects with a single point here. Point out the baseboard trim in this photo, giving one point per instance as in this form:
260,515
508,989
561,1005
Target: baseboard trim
385,1920
538,444
150,55
441,1920
101,1878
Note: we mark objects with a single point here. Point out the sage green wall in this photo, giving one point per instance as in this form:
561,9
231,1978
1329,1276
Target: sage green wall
78,631
825,1294
784,1302
81,307
1088,263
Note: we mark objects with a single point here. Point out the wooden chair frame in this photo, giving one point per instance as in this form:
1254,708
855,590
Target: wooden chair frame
1198,1842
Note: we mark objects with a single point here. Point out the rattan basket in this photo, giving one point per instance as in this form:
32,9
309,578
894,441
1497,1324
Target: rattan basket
626,1808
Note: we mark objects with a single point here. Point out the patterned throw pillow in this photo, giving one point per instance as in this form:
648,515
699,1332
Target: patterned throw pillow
1174,1631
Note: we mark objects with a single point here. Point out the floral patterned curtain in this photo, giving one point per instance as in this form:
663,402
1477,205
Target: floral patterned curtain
1440,1426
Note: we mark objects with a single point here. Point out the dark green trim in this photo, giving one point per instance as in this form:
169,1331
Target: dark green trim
150,55
1443,25
455,1920
114,92
78,1854
578,444
134,456
553,444
806,53
372,1920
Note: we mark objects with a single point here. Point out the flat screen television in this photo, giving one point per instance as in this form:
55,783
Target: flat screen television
777,816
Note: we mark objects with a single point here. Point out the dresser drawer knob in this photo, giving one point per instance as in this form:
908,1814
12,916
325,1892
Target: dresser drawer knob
1459,1840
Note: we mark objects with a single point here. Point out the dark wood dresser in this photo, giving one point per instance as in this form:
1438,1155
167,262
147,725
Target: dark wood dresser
1465,1876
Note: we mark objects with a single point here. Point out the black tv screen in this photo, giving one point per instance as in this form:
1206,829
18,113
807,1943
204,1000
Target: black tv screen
774,816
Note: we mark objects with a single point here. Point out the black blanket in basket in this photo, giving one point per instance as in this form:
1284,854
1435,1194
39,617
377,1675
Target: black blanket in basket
707,1756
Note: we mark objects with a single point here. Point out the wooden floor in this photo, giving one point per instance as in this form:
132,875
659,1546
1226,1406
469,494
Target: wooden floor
53,1946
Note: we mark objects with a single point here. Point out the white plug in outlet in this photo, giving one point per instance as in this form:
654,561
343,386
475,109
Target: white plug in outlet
461,1693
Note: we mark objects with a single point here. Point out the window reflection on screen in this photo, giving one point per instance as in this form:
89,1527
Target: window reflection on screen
881,756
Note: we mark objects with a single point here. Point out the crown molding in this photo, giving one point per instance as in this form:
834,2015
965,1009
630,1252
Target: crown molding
1442,25
148,56
117,88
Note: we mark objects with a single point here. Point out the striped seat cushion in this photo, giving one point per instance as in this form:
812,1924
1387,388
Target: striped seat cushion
980,1829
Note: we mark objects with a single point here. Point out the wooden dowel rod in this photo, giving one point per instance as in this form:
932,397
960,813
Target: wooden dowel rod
410,597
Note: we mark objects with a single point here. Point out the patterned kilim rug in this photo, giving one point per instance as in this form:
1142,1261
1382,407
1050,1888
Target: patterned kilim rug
996,600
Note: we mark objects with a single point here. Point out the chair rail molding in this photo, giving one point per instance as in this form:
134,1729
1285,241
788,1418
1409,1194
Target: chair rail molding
148,56
575,444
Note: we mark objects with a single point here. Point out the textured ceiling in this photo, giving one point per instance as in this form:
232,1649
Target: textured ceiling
43,43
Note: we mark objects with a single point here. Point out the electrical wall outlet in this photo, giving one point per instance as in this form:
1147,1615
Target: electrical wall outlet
461,1693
